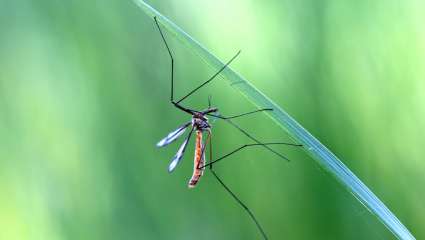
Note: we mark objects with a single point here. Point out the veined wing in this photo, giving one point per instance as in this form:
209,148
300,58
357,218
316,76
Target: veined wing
173,135
180,152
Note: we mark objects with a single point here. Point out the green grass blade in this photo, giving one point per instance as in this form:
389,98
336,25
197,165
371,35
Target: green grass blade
314,148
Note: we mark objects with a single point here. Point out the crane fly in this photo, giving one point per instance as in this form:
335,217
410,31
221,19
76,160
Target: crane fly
201,126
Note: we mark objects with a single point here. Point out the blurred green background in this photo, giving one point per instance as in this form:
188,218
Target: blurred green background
84,91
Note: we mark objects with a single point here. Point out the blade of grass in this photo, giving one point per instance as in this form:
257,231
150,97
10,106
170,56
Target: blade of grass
323,156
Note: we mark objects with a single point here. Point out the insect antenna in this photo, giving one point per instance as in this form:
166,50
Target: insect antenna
209,101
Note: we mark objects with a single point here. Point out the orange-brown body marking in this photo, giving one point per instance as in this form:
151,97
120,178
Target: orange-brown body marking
199,161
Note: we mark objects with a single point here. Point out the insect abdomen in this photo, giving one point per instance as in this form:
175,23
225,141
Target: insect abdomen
199,161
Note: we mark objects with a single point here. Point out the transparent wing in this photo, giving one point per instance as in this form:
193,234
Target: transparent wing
173,135
180,152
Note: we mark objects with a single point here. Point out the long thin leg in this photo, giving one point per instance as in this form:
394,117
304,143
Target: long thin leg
176,104
244,114
245,207
207,141
248,145
210,79
250,136
241,204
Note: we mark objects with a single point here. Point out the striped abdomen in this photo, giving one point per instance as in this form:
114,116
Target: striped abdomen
199,161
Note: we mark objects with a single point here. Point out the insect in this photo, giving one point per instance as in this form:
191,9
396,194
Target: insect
201,126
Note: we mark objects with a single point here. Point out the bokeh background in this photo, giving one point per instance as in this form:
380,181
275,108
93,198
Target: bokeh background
84,91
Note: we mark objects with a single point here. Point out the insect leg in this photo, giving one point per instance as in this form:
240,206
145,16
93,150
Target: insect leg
237,199
244,114
251,137
176,104
210,79
251,215
245,146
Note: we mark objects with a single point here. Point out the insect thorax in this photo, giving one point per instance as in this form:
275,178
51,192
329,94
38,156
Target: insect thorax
200,122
